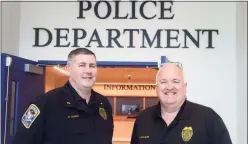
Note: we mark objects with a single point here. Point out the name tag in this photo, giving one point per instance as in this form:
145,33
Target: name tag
143,137
73,116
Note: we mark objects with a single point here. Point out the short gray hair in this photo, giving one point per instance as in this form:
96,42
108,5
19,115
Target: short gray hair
78,51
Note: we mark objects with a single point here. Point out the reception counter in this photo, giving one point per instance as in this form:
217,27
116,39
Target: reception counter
123,128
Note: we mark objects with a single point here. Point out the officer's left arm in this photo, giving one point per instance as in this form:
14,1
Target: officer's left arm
109,111
30,128
217,129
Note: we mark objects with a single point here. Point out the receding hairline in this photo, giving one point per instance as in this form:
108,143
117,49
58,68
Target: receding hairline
163,67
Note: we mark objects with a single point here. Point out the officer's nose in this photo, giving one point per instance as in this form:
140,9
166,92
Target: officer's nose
87,70
169,86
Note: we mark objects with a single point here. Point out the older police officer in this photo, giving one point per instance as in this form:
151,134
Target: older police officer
71,114
175,120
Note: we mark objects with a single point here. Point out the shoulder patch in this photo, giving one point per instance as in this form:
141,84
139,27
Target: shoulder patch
30,115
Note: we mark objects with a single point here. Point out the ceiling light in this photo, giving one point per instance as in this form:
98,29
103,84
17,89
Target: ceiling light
59,69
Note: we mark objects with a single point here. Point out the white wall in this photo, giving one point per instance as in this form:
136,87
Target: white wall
241,61
64,15
213,75
11,27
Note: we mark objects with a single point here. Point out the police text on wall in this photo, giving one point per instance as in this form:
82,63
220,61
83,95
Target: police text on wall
134,37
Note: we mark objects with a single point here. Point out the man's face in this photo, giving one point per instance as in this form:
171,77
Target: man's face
171,88
83,71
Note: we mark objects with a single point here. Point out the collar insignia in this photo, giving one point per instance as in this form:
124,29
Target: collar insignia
103,113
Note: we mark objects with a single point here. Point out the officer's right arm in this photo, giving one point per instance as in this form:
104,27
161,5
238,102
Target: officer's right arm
31,124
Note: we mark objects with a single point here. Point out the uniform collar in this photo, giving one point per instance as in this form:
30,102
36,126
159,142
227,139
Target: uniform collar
76,96
73,97
184,112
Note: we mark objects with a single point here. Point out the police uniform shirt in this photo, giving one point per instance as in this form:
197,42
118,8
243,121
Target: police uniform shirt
63,117
194,124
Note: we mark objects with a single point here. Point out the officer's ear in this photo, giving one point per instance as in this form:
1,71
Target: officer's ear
185,87
67,69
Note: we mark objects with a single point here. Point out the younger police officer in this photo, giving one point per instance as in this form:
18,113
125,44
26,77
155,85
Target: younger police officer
175,120
72,114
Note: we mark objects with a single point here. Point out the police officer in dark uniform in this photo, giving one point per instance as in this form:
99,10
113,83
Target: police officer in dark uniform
71,114
175,120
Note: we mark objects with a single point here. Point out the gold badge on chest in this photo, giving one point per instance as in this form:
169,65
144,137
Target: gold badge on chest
102,112
187,133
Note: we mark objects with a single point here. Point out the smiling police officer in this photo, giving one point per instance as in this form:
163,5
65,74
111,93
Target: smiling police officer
175,120
71,114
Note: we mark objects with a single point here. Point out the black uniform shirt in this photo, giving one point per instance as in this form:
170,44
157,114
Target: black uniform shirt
61,116
194,124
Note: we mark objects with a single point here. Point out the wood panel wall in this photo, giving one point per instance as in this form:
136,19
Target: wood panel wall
141,94
54,80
